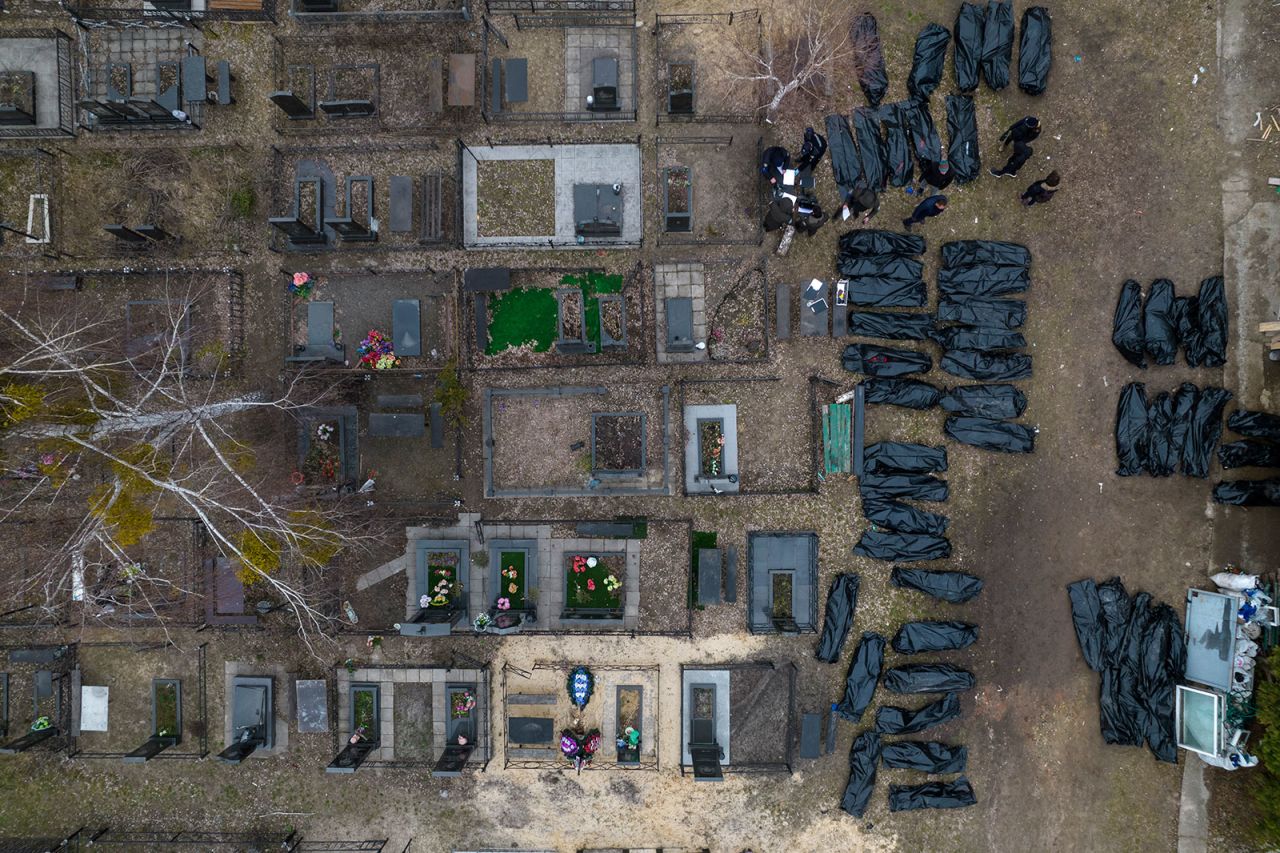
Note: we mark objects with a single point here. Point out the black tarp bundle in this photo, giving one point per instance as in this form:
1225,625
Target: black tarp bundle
1131,429
894,325
892,720
872,155
1248,453
864,758
880,292
872,241
907,393
928,61
1160,330
903,518
890,266
927,678
985,401
1206,429
1162,456
991,434
983,311
1138,649
968,50
986,366
926,756
1127,326
1248,492
997,43
920,487
864,672
954,587
1206,344
1255,424
844,154
925,142
1035,51
983,280
932,795
934,636
866,42
962,139
967,253
881,269
897,145
909,547
842,600
978,338
876,360
890,457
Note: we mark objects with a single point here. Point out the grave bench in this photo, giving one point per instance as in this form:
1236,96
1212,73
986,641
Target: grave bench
224,83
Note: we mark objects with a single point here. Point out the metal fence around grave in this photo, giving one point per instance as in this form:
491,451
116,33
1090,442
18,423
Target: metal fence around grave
416,16
566,13
89,13
66,88
671,21
760,194
190,841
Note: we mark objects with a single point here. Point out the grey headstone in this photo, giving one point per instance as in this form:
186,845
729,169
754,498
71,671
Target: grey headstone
810,735
406,327
709,575
530,730
401,219
195,79
731,574
491,279
517,81
382,425
319,324
313,706
399,401
680,324
782,312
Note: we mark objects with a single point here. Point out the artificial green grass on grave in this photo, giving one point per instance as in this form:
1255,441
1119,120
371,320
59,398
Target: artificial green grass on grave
527,315
434,575
600,597
508,560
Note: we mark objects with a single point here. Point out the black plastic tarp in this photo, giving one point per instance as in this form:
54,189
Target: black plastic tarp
1159,323
897,145
920,487
983,280
934,636
890,457
892,720
1086,616
872,155
873,241
903,518
978,338
864,672
1186,321
864,758
997,43
908,547
844,154
955,587
985,401
991,434
928,61
966,253
925,142
962,138
877,292
890,266
1035,51
927,678
1248,492
1206,429
908,393
968,50
926,756
984,311
1207,347
1131,429
874,360
842,600
895,325
1127,326
986,366
1248,453
871,74
1255,424
932,795
1161,457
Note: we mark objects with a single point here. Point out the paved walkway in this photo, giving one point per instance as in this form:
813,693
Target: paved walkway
670,281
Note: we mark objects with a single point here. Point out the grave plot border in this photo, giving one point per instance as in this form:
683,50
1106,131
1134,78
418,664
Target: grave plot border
679,238
431,16
66,88
784,766
663,60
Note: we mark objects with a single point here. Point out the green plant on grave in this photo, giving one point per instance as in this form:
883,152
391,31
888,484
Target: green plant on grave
242,201
451,394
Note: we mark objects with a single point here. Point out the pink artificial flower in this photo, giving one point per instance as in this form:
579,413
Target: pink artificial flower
591,585
301,278
47,459
504,604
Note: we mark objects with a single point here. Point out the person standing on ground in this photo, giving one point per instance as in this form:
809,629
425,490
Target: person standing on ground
1023,130
1021,154
862,199
1041,192
937,175
931,206
815,145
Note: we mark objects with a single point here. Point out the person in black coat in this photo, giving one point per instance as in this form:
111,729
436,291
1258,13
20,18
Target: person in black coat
862,199
774,162
1024,130
778,214
931,206
937,175
809,215
815,145
1021,154
1041,192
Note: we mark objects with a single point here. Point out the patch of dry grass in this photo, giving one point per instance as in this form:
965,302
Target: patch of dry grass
516,198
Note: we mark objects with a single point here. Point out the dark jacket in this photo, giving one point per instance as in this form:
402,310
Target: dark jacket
815,145
778,214
1021,131
1021,154
774,162
1038,193
928,207
933,175
863,199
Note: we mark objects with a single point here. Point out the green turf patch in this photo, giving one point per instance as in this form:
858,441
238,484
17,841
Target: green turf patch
513,577
590,587
522,316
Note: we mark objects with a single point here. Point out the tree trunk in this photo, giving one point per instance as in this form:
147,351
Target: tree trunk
146,422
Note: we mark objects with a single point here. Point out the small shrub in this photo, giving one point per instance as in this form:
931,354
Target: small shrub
243,199
451,394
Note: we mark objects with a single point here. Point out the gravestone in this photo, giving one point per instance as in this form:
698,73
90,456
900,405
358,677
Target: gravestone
401,219
709,564
437,426
810,735
384,425
531,730
517,80
406,327
313,706
680,324
293,106
195,79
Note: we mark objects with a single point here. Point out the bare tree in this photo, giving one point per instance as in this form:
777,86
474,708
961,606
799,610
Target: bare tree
800,52
113,436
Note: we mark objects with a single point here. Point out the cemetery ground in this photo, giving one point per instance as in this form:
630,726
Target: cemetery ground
1137,145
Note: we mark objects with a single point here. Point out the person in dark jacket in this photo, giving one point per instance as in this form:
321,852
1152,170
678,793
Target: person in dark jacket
815,145
931,206
862,199
774,162
1041,192
937,175
778,214
1023,130
809,215
1021,154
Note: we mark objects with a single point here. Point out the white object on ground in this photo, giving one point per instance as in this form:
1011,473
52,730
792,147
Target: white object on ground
1234,582
93,708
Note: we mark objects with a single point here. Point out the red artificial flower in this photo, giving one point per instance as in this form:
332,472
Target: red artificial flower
591,585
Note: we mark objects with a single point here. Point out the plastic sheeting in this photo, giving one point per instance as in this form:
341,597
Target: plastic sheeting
1248,492
983,280
1161,456
997,43
897,140
903,518
1131,429
985,366
925,142
983,340
844,154
864,672
955,587
842,600
1127,326
1035,51
920,487
927,678
928,61
872,241
866,40
983,311
864,758
991,434
962,139
876,360
934,636
985,401
891,266
907,393
891,720
887,457
968,51
966,253
872,154
932,795
1255,424
1206,345
907,547
926,756
1206,429
1248,453
895,325
887,292
1161,335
